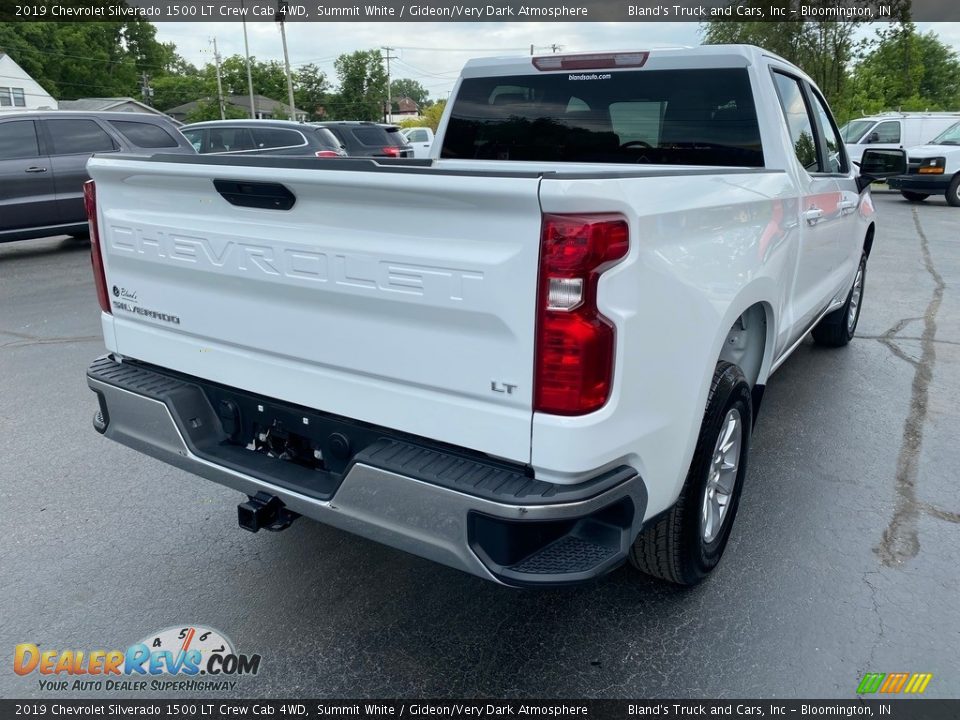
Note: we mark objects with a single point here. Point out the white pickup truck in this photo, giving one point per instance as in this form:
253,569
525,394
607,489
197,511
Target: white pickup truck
533,356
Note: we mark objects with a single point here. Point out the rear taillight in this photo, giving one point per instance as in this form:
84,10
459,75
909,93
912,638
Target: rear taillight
575,342
327,154
96,255
392,151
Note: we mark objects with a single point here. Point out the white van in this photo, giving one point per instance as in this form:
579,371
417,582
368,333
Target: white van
933,169
894,130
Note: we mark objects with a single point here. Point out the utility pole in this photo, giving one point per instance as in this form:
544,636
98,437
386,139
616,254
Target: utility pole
556,48
388,57
216,59
281,16
246,53
146,92
531,48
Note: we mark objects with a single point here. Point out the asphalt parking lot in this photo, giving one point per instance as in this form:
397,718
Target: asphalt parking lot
843,560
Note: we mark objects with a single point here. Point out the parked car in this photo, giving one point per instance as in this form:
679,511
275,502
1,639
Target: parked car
262,137
420,139
534,358
894,130
43,158
932,169
398,140
369,139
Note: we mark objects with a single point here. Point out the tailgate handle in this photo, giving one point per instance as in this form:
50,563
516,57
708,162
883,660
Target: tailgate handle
265,196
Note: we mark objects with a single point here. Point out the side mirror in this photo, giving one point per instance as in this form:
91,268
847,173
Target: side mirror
877,164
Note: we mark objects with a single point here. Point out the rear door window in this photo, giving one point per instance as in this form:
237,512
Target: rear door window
18,140
696,117
799,121
227,139
145,135
836,159
195,138
266,138
72,137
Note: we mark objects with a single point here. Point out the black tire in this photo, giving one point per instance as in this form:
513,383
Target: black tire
835,330
914,196
674,548
953,192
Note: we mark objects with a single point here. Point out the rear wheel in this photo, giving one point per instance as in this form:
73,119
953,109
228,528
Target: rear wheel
914,196
686,543
953,192
838,328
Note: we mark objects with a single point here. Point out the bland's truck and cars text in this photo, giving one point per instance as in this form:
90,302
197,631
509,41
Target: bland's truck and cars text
533,356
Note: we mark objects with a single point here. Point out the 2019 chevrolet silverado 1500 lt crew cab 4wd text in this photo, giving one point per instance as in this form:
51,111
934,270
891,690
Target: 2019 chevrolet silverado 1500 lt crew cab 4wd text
533,356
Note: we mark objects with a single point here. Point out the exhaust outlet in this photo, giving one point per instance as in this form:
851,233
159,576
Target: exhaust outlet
264,512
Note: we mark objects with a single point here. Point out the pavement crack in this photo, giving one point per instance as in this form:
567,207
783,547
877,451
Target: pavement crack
881,628
888,339
906,337
900,540
941,514
26,342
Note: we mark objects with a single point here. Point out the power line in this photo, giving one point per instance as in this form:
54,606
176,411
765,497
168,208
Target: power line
441,76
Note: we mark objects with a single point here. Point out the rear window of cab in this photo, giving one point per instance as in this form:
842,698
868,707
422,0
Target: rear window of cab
695,117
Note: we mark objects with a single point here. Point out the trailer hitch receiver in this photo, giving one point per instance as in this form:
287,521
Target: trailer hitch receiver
264,512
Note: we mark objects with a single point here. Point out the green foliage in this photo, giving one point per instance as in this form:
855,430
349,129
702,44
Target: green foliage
411,122
432,115
170,91
363,87
95,59
310,88
404,87
269,78
898,69
210,110
823,49
902,69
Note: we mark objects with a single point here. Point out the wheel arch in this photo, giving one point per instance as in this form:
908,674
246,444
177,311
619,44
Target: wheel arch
749,338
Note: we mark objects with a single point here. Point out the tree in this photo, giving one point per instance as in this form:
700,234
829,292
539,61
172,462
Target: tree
209,109
170,91
310,90
87,59
269,78
432,115
404,87
363,87
903,70
822,49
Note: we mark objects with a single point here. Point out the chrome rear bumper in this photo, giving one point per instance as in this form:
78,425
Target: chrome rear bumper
519,540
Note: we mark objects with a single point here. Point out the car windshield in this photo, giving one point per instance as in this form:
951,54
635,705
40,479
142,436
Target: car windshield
854,130
950,136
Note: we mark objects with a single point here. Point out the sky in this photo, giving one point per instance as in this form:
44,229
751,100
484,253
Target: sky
433,53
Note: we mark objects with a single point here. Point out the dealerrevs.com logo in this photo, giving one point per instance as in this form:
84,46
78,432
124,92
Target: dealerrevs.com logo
175,659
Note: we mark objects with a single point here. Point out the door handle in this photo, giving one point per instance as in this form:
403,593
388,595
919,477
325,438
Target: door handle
812,215
847,206
35,169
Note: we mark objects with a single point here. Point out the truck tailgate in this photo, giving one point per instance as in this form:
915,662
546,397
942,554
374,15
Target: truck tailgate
403,299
